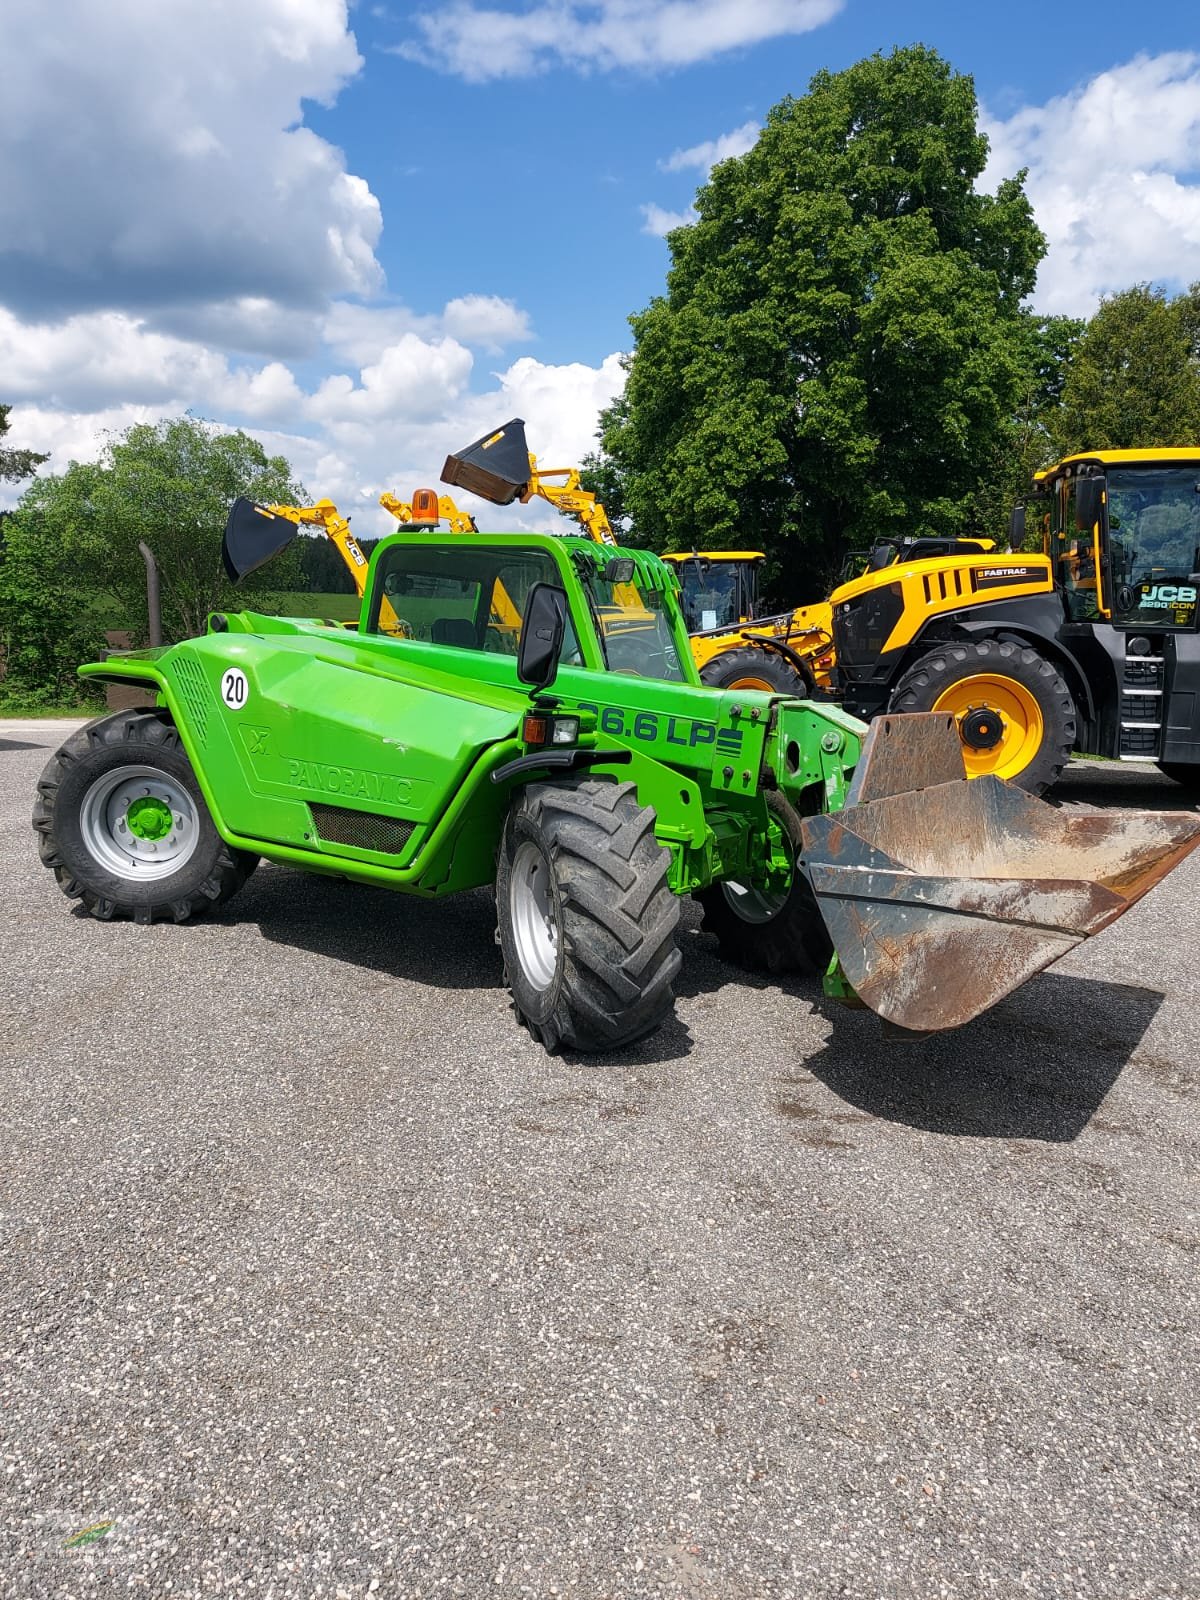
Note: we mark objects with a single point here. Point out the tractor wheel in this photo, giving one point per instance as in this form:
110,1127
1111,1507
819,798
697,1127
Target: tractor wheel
587,920
1015,714
123,825
753,668
1184,773
765,931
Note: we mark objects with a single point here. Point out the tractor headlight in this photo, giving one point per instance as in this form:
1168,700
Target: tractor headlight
541,730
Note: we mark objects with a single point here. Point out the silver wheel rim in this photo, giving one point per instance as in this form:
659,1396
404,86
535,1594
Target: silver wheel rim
104,821
751,904
534,916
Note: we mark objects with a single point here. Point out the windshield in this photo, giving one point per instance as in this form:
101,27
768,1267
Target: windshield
634,631
1154,524
463,596
710,595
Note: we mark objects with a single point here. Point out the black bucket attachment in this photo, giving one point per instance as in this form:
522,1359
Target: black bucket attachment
942,899
495,467
254,535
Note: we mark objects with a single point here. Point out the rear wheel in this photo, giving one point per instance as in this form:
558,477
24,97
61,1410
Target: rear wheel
586,918
754,668
122,824
1015,714
770,929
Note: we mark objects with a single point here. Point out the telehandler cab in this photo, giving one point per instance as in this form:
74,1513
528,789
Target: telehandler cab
575,762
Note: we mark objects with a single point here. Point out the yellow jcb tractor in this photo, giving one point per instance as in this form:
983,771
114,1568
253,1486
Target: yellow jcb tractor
1089,644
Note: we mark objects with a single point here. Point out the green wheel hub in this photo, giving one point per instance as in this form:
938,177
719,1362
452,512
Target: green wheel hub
149,817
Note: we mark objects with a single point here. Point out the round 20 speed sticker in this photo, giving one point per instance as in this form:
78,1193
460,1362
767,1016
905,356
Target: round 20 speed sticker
234,689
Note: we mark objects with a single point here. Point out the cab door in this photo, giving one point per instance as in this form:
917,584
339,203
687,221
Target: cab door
1078,553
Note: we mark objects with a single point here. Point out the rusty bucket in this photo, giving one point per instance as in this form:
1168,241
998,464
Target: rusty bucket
942,896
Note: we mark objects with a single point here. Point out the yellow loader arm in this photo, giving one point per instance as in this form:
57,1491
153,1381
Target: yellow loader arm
568,496
326,516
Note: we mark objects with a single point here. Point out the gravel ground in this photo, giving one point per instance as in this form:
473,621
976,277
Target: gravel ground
321,1280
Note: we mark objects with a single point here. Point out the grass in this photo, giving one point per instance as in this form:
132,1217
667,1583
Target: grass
25,708
336,607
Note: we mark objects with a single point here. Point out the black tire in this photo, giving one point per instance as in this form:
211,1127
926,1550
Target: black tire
928,679
793,938
209,875
1184,773
604,879
752,667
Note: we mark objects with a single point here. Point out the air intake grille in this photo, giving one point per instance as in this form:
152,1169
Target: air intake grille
362,830
196,697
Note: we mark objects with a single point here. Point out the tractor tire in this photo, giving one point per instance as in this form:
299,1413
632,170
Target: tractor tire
122,824
754,668
586,918
1036,714
1185,773
769,933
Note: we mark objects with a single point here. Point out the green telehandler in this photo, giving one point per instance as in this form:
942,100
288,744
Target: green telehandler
523,711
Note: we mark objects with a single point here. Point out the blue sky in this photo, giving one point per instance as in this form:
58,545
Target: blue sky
366,234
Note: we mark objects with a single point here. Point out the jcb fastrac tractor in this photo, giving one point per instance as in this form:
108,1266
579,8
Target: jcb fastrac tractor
1090,644
523,711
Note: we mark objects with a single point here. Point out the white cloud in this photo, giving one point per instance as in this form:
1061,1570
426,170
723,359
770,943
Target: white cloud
487,321
480,42
1112,178
659,222
390,425
704,157
156,157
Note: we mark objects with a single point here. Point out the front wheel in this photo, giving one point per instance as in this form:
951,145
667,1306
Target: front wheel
1015,714
771,929
752,667
586,918
122,824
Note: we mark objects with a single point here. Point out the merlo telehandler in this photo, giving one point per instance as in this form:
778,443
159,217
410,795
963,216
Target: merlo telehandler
577,764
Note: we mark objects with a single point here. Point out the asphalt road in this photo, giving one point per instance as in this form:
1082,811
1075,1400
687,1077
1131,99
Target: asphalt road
320,1279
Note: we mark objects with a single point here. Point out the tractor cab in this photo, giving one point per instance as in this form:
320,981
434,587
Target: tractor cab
1122,529
720,587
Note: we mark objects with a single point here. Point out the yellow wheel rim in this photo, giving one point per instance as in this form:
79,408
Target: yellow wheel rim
753,683
1022,728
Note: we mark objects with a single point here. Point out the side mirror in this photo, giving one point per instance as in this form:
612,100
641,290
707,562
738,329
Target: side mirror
543,624
1089,498
1016,529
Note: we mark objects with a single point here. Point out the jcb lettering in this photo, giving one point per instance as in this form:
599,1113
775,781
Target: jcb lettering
1170,594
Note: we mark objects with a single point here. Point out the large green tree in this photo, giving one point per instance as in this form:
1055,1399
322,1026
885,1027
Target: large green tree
840,346
1134,380
170,484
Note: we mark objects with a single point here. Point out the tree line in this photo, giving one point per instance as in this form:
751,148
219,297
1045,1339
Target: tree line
843,351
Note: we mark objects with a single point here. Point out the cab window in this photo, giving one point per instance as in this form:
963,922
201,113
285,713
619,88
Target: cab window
467,598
